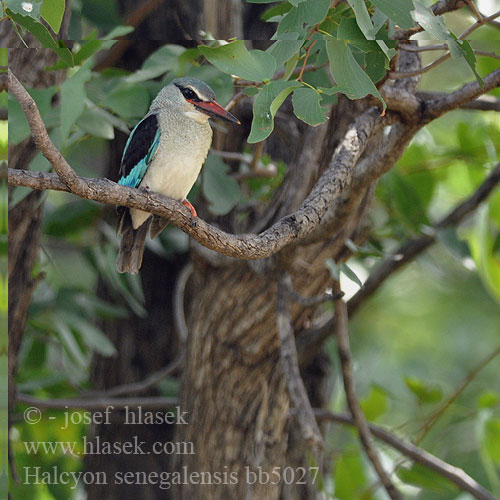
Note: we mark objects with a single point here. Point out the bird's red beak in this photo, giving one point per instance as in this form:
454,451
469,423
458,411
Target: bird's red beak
214,109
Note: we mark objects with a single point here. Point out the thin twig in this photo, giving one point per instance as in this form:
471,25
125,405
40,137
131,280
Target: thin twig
440,7
478,24
98,403
288,354
316,300
308,51
254,164
403,45
406,253
143,385
410,250
405,74
460,389
419,455
483,103
473,7
365,436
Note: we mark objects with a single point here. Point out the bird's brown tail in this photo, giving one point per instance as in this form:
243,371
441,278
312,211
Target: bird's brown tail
131,245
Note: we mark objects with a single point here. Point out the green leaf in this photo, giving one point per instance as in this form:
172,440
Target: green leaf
469,57
350,477
73,99
70,218
52,12
117,32
221,190
43,35
349,76
398,12
18,125
69,342
93,122
423,477
251,91
266,104
488,399
306,106
363,18
406,200
350,32
275,14
129,101
435,26
375,66
165,59
234,59
308,12
491,439
350,273
283,50
481,239
426,393
88,49
93,338
31,8
375,404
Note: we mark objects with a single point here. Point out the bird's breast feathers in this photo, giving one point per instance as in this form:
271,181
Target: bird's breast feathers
177,162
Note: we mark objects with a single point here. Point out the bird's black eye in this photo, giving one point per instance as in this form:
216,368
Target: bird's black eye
189,94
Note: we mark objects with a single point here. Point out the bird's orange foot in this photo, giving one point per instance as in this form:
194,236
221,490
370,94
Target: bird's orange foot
192,210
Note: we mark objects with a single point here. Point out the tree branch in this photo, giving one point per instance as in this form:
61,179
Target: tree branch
359,419
289,228
438,8
98,403
415,247
450,472
41,137
470,91
141,386
288,354
483,103
315,336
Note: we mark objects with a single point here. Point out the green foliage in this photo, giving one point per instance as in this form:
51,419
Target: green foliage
398,12
376,403
266,104
350,475
234,58
307,106
73,99
422,477
220,190
52,12
425,393
350,77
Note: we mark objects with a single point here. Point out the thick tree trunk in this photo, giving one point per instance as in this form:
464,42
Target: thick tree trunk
233,386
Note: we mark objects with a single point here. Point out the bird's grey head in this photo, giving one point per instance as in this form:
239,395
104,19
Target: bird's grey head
192,97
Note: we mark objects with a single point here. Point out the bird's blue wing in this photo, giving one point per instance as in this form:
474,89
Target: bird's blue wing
139,151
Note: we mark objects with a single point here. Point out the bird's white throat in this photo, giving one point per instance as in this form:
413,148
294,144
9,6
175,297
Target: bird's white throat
197,116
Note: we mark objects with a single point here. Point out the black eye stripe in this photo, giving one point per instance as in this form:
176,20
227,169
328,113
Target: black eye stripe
189,94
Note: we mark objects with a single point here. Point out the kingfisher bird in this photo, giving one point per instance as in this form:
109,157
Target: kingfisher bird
164,153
